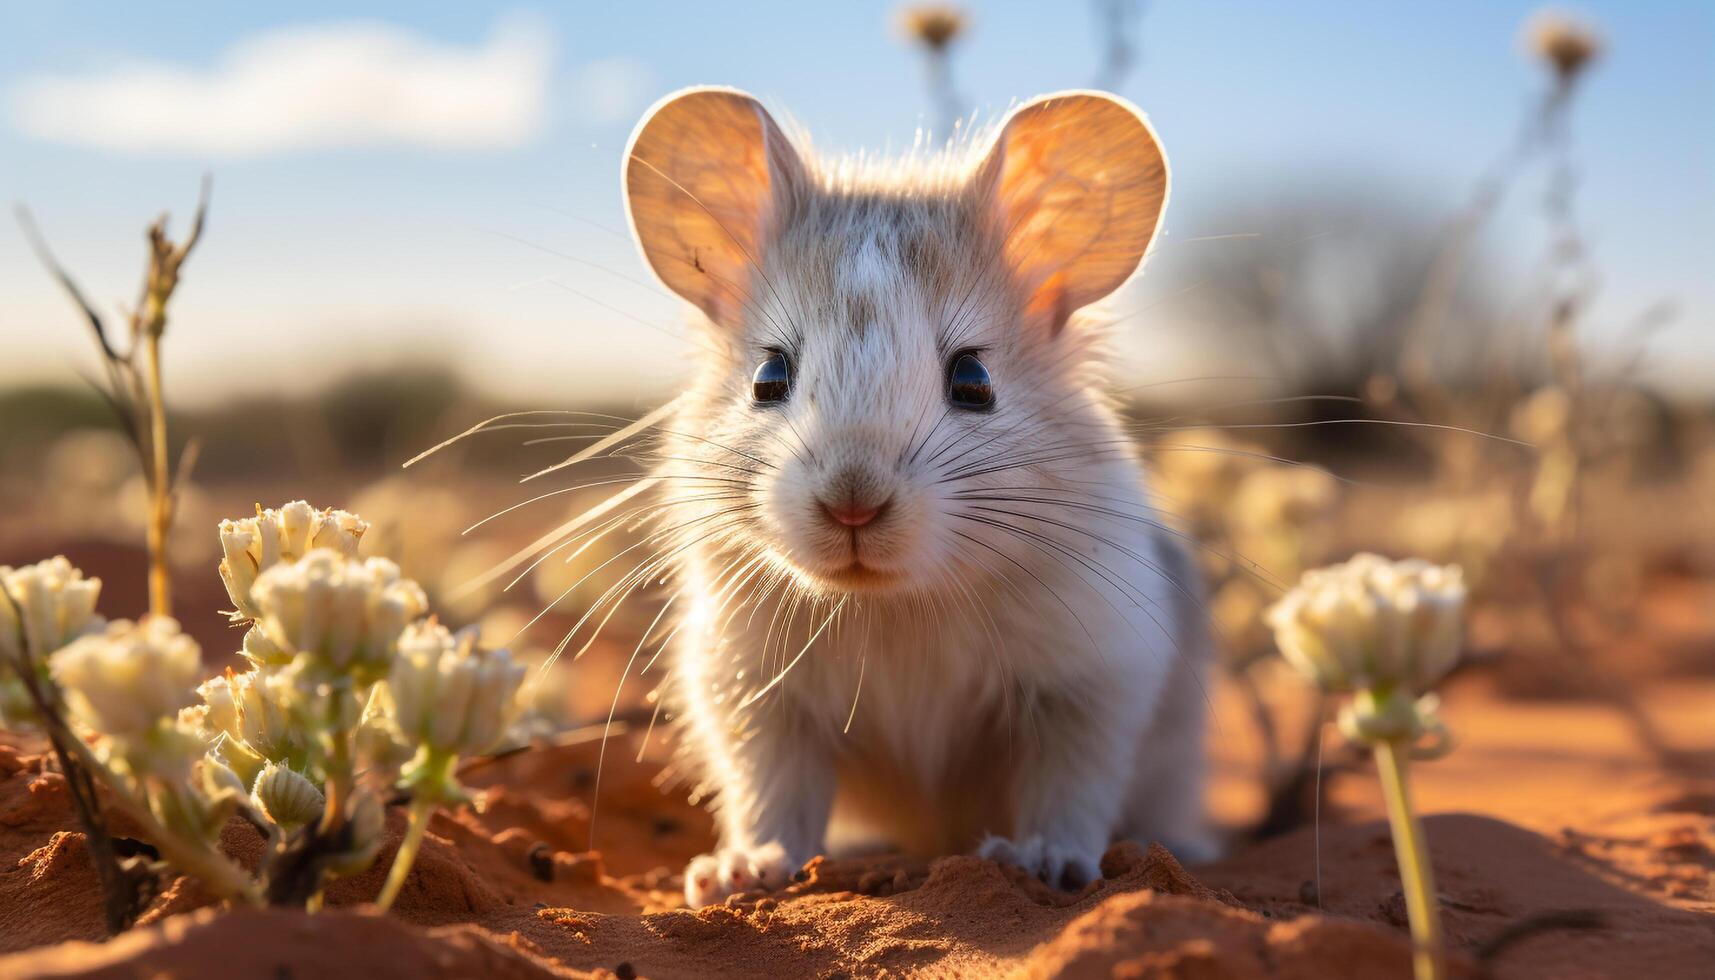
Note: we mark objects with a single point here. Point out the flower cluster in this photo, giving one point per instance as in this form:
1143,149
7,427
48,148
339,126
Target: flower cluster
1384,631
1255,520
255,544
127,688
450,698
338,615
451,695
324,628
128,682
347,678
44,606
1370,623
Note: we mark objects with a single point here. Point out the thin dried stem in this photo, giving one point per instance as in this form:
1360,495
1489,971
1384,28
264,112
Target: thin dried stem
135,389
122,888
160,491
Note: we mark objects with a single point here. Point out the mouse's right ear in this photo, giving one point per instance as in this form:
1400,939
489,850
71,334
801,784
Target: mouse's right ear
705,174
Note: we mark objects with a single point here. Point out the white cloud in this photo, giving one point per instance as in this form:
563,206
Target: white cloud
315,86
612,91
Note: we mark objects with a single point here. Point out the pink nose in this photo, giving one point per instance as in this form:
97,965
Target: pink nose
851,515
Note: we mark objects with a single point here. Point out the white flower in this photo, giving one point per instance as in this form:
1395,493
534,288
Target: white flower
263,702
448,695
219,709
261,651
46,606
131,679
219,779
1372,624
343,613
287,797
1283,496
197,803
255,544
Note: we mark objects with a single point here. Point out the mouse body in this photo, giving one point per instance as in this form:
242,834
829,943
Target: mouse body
921,595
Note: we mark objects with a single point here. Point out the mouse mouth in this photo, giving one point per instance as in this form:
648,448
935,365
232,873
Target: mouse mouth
858,577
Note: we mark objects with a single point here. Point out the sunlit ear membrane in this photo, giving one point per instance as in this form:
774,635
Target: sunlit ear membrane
1078,182
706,172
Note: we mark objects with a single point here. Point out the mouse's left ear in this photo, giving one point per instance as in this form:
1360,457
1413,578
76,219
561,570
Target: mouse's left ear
1078,183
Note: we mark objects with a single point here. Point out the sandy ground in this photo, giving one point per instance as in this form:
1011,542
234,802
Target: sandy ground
1569,842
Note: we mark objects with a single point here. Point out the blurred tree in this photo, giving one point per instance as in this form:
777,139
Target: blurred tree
1324,286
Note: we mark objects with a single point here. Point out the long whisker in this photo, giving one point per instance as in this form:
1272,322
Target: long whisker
747,702
651,418
520,556
601,483
483,426
613,709
1462,430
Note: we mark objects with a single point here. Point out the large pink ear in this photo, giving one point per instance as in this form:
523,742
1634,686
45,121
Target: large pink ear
705,173
1079,182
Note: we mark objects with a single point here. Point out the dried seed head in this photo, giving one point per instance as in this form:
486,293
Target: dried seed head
934,25
43,607
1567,44
255,544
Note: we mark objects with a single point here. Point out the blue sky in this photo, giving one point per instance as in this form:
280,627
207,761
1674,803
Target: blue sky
434,225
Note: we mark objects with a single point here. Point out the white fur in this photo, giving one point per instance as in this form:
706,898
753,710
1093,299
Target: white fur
1055,670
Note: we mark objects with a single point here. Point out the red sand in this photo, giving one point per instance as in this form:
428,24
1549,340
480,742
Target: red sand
1551,817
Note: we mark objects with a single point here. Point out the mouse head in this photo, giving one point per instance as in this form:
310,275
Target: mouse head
889,344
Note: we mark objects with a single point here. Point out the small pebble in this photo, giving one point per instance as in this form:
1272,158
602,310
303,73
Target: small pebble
541,859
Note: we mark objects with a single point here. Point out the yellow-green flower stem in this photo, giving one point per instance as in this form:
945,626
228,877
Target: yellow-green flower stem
1411,849
432,781
421,808
220,874
338,766
339,785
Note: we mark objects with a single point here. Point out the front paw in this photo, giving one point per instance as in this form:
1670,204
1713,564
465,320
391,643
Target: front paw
710,878
1064,866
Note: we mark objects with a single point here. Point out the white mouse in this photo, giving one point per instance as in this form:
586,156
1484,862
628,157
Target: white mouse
917,575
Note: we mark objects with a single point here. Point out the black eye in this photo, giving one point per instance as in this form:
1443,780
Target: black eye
968,383
772,380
